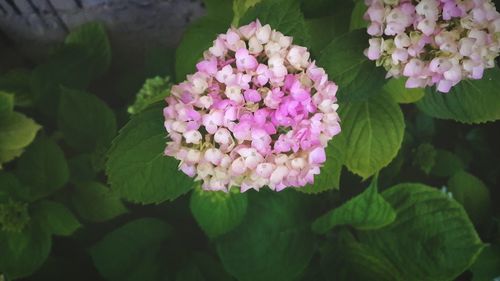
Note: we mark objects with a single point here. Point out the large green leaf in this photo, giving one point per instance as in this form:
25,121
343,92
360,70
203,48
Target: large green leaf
357,21
56,218
472,193
137,168
329,176
343,59
274,241
95,202
93,40
431,238
471,101
86,121
130,252
368,210
17,131
43,168
349,260
218,212
23,253
283,15
374,132
196,39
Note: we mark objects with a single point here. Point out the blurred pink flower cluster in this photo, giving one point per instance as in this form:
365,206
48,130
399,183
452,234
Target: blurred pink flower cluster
433,42
256,113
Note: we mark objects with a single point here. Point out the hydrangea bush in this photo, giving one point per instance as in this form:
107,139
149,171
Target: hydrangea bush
266,146
256,113
433,42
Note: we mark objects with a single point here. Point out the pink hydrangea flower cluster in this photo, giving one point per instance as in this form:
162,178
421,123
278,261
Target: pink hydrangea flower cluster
433,42
256,113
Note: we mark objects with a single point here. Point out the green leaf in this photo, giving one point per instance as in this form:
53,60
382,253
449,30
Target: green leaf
218,212
81,169
273,242
43,168
321,8
446,164
356,261
343,59
56,218
329,176
374,132
487,266
154,90
6,104
96,202
197,38
12,188
431,238
137,168
397,90
23,253
473,194
368,210
93,40
357,20
471,101
282,15
131,251
17,131
221,9
17,82
86,121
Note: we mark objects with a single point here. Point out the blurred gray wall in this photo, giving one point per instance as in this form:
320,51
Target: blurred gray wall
32,26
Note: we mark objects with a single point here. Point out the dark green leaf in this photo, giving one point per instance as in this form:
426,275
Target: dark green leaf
273,242
473,194
368,210
487,266
96,202
343,59
283,15
374,132
130,252
86,122
56,218
137,168
81,169
471,101
12,188
43,168
431,238
218,212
